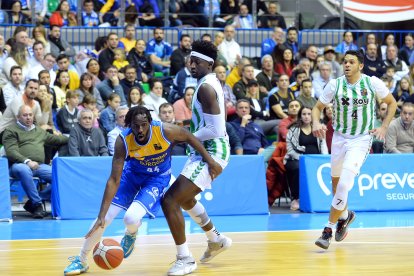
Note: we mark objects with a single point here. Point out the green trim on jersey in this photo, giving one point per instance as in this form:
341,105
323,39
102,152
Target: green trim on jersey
344,107
364,108
337,111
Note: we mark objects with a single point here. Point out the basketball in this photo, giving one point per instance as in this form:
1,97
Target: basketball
108,254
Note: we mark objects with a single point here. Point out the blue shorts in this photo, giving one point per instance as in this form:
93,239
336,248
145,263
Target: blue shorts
147,190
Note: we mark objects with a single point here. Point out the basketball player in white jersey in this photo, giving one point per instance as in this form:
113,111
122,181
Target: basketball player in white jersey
354,101
208,125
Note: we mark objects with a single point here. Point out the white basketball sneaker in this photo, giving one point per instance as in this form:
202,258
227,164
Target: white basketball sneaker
215,248
183,265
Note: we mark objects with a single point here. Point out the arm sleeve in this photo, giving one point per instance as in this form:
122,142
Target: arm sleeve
214,128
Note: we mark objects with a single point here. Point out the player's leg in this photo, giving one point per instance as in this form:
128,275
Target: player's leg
132,221
79,264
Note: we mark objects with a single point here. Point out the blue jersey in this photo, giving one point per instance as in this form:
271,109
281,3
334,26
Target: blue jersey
153,158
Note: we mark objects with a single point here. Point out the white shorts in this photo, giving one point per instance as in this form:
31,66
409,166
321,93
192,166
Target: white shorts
197,171
349,153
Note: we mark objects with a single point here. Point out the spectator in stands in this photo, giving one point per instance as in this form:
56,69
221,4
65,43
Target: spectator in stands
292,42
265,77
38,54
89,102
46,63
120,59
39,34
178,55
300,140
130,80
382,110
305,65
182,80
299,75
111,85
63,16
61,87
402,92
285,63
88,88
229,48
15,87
293,110
134,97
228,9
271,18
28,98
236,72
372,38
330,56
93,68
407,49
45,102
120,126
108,116
325,76
311,54
401,68
129,40
346,44
84,139
229,98
107,56
67,116
58,45
44,77
279,102
305,98
148,13
64,64
389,40
20,34
258,106
319,60
251,135
89,17
153,101
192,13
236,146
400,135
373,65
15,15
269,44
244,20
24,144
16,58
140,60
239,89
159,51
110,12
182,107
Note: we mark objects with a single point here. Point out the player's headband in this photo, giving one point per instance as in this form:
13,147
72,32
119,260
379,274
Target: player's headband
200,55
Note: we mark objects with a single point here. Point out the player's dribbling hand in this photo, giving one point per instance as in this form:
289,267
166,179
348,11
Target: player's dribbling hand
319,130
379,133
214,169
98,223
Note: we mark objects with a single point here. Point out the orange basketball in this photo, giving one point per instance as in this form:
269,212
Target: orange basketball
108,254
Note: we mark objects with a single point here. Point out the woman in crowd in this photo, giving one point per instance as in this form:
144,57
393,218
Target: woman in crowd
285,63
182,107
18,56
389,40
15,14
94,69
155,99
138,58
63,16
134,97
39,34
61,87
300,140
87,87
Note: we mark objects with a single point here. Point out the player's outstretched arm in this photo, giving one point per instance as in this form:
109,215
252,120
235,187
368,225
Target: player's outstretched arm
178,135
111,185
318,129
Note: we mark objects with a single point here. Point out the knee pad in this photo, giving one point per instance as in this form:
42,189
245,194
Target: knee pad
346,181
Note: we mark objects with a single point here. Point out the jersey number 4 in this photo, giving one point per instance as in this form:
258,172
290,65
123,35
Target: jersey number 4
355,114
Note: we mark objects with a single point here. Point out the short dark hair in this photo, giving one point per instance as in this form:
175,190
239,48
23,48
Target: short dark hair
358,53
292,29
184,35
31,80
134,111
61,56
305,80
14,67
205,47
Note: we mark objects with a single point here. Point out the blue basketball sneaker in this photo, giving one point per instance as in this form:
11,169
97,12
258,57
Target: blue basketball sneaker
127,244
76,267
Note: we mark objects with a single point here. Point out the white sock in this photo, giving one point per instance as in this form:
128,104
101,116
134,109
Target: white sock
213,235
183,250
344,215
96,236
330,225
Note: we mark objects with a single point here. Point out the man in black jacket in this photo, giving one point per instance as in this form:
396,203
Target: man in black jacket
178,55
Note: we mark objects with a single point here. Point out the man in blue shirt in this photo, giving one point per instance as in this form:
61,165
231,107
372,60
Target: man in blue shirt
270,43
159,51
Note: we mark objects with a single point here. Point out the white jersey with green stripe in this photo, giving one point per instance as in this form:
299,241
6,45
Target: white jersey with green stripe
218,146
354,105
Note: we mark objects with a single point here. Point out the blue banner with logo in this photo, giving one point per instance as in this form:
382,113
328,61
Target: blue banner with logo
79,183
386,183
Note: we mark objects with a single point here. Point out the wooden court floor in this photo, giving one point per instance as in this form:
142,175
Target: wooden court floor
378,251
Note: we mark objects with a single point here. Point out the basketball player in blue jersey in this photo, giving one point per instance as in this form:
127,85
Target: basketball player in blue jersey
208,125
354,101
141,171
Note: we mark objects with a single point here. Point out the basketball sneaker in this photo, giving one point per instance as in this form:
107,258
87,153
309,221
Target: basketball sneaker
183,265
76,267
127,244
215,248
342,226
325,239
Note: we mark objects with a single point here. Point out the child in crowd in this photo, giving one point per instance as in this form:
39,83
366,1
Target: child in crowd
89,102
120,58
67,116
108,116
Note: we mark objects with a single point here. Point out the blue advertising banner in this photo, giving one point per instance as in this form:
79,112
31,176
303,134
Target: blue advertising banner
5,203
386,183
79,183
